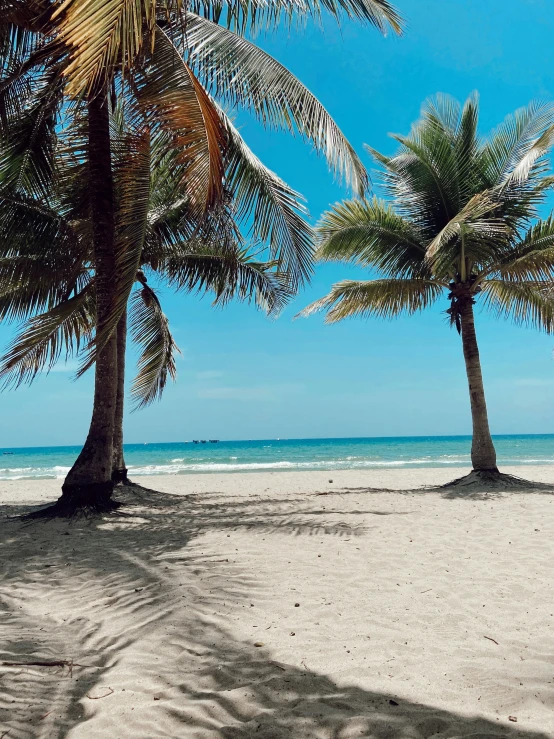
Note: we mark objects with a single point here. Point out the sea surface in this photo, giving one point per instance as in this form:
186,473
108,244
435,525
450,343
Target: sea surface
283,454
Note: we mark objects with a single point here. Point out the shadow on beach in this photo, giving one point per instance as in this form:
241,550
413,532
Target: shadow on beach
448,492
128,605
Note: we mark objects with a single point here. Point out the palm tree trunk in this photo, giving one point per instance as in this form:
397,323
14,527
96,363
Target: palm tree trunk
483,454
119,471
89,482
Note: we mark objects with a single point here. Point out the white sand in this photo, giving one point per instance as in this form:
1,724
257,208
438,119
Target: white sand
402,597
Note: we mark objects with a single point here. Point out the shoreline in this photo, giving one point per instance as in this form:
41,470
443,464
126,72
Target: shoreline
258,481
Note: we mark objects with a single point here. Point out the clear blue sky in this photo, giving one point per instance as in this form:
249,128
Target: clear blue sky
242,376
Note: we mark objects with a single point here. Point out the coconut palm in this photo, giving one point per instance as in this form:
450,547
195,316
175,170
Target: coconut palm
168,59
47,274
460,225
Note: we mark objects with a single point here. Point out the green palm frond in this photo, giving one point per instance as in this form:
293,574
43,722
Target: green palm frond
72,170
381,298
29,285
18,39
45,336
274,210
422,176
32,226
229,274
20,75
531,258
249,280
513,140
150,329
27,151
474,234
41,257
167,193
370,233
525,303
242,74
536,151
443,163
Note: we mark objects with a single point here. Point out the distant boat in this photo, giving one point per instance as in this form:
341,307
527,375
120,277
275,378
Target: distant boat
195,441
7,453
202,441
214,441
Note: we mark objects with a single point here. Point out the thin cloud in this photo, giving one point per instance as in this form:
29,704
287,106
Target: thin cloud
260,393
534,382
209,374
238,393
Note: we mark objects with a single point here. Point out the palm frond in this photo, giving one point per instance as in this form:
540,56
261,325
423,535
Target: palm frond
422,176
242,74
43,338
512,147
230,273
525,303
100,34
520,173
30,284
468,201
150,329
104,34
42,259
530,258
21,70
28,147
477,227
385,298
174,99
275,211
370,233
257,15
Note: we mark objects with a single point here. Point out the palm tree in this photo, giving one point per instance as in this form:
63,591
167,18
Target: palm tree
459,226
52,286
165,59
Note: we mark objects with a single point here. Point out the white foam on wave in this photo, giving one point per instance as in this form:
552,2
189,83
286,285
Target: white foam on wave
176,469
178,466
33,473
527,461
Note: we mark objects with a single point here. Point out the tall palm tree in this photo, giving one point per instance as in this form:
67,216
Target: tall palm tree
460,225
52,286
169,59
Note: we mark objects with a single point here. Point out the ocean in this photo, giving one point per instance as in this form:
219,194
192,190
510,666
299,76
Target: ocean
283,454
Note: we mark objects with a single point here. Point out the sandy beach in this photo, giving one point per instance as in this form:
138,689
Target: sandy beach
281,605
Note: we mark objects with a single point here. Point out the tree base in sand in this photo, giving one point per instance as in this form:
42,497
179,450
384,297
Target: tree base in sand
80,500
484,481
119,477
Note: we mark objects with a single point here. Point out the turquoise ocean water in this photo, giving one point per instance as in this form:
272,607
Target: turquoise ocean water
283,454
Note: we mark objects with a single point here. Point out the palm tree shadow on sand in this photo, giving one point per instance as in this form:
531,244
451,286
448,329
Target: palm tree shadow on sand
459,490
129,606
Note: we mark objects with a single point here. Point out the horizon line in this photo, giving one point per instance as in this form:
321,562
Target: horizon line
311,438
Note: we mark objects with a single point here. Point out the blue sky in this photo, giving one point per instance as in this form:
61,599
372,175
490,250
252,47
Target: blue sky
242,376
